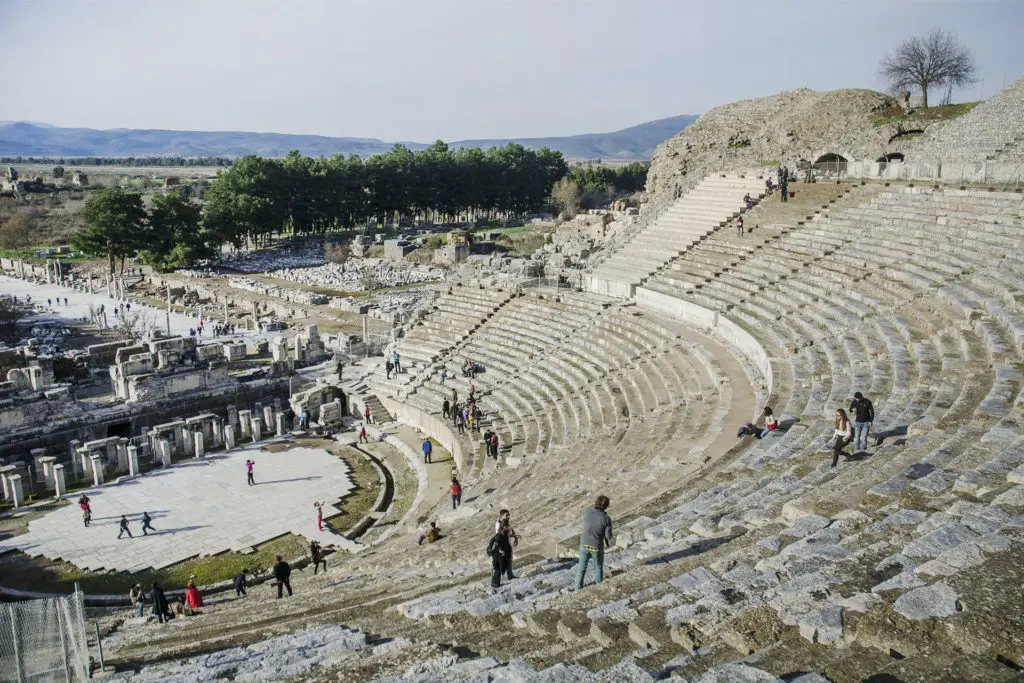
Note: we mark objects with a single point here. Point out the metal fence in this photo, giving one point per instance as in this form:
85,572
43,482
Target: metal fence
43,641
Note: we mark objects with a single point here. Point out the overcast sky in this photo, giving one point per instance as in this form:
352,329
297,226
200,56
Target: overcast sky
450,69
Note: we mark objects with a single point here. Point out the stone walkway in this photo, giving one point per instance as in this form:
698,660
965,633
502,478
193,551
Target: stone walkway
200,507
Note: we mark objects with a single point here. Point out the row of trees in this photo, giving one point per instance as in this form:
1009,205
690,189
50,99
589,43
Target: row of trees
257,197
589,187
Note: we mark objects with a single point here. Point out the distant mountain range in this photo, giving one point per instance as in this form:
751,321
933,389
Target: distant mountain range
21,138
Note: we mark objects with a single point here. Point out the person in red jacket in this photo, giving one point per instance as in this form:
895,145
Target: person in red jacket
193,598
456,493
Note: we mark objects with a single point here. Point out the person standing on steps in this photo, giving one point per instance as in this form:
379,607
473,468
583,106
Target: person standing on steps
369,418
239,583
161,610
863,417
456,489
388,367
460,423
249,464
282,576
494,444
597,534
739,226
397,361
428,448
138,599
505,520
147,523
499,550
842,436
316,555
487,443
124,528
446,408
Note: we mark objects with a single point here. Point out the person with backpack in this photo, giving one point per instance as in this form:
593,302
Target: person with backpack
428,448
499,550
505,520
456,489
597,534
147,523
863,417
282,576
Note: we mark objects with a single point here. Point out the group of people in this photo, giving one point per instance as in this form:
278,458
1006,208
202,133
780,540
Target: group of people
187,604
85,505
491,444
462,415
845,432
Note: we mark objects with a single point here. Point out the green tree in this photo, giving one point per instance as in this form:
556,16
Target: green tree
58,171
115,222
566,196
175,236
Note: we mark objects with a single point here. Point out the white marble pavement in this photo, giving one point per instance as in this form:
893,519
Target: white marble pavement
199,507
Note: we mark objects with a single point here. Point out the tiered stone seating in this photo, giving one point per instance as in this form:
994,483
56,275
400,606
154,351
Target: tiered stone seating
992,131
704,208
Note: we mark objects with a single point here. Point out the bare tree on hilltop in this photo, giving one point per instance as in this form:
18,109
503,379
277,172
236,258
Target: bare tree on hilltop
935,59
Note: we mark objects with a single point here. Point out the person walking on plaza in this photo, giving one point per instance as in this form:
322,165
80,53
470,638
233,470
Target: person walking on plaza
86,506
428,448
842,436
505,520
138,599
319,515
863,417
362,435
456,489
282,576
499,550
316,556
124,528
597,534
161,610
147,523
249,464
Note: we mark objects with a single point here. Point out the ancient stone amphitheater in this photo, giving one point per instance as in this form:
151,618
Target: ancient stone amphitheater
735,560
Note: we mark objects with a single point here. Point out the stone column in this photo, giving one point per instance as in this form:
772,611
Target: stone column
229,437
84,456
6,485
232,417
97,470
257,411
60,487
122,455
198,444
163,447
17,492
188,442
47,465
37,455
256,429
282,427
133,461
268,417
244,424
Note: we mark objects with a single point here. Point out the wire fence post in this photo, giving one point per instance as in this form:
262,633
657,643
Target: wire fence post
17,647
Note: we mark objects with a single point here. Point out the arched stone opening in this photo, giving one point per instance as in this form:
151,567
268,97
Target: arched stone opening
830,162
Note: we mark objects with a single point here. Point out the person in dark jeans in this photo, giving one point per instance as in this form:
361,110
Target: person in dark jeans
282,574
863,417
147,523
842,436
316,555
124,528
240,584
499,550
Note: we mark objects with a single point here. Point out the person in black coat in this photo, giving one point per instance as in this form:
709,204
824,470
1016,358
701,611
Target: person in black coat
499,550
160,607
282,573
240,584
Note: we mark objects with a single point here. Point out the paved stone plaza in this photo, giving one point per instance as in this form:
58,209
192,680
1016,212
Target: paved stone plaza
200,507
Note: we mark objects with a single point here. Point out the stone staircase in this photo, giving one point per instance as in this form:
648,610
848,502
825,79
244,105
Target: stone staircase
378,412
992,131
700,211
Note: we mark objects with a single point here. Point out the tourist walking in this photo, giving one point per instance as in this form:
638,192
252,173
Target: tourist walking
147,523
86,506
487,443
863,413
138,599
366,413
124,528
282,576
460,423
239,583
316,556
494,444
445,409
456,489
597,534
362,435
161,610
505,520
319,515
249,464
428,448
499,550
739,226
842,436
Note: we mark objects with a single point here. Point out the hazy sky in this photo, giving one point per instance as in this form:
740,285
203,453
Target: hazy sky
427,69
